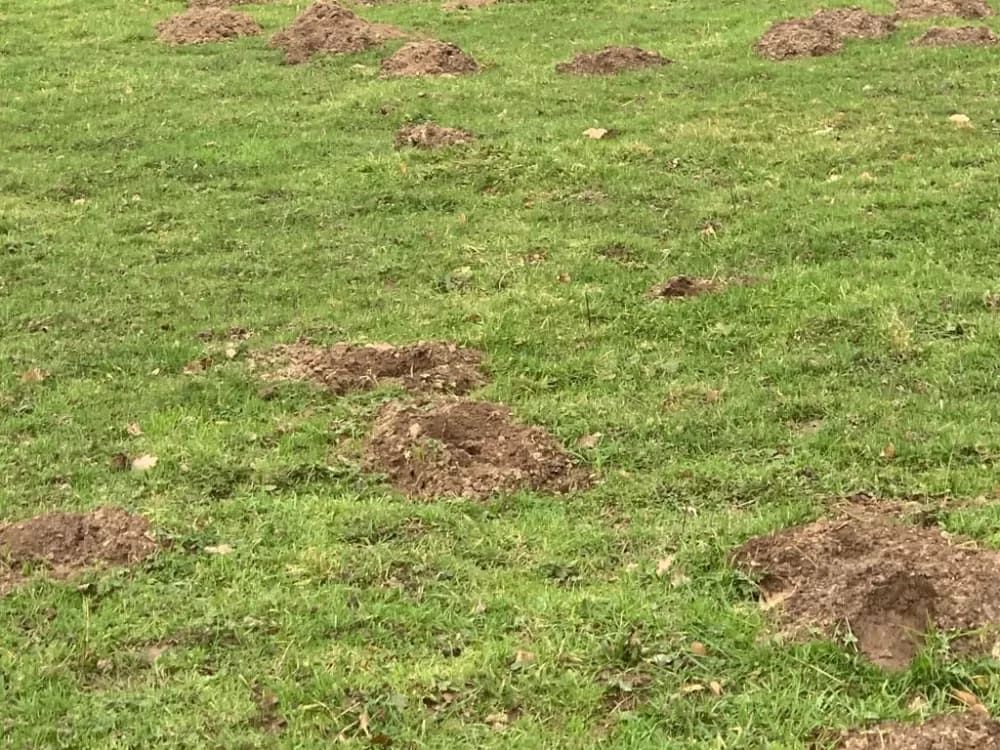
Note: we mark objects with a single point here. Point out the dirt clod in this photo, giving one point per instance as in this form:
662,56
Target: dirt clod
473,449
204,25
428,135
967,731
950,36
909,10
67,543
684,286
428,58
341,368
611,60
797,38
328,27
870,574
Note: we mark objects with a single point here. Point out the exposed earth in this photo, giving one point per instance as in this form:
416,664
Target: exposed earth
950,36
797,38
969,731
611,60
684,286
910,10
428,58
326,27
429,135
204,25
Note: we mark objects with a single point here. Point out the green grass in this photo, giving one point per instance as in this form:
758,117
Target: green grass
148,194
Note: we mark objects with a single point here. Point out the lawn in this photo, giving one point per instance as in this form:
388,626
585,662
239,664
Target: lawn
153,198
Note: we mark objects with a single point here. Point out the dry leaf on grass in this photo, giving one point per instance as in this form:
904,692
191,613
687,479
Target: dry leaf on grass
664,565
145,462
970,701
698,648
961,121
589,441
34,375
219,549
133,429
596,134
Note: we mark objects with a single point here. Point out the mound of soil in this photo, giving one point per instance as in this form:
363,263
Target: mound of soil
677,287
424,366
611,60
67,543
429,135
871,574
797,37
909,10
328,27
968,731
204,25
977,36
429,58
853,23
463,448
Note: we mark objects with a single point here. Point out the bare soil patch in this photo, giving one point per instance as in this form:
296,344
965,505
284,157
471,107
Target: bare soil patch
429,58
853,23
429,135
968,731
341,368
871,574
909,10
795,38
939,36
611,60
326,27
463,448
678,287
204,25
68,543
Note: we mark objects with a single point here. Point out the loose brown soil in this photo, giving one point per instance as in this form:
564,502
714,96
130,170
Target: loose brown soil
422,367
677,287
67,543
472,449
428,135
611,60
328,27
968,731
977,36
795,38
909,10
204,25
869,573
429,58
853,23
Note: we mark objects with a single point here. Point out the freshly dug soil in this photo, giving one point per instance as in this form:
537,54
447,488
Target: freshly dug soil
871,574
429,58
853,23
204,25
977,36
967,731
424,366
611,60
909,10
67,543
328,27
795,38
428,135
473,449
677,287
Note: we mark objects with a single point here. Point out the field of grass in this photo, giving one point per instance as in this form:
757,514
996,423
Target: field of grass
149,194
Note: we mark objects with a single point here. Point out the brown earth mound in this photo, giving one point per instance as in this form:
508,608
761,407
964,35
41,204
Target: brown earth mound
611,60
203,25
797,38
424,366
909,10
978,36
853,23
684,286
870,574
328,27
968,731
429,135
472,449
67,543
429,58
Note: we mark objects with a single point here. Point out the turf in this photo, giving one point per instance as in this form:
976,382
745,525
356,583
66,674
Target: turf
149,193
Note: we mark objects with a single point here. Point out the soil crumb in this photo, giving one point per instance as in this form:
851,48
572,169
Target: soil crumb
967,731
428,135
204,25
795,38
977,36
909,10
611,60
870,574
326,27
342,368
68,543
463,448
429,58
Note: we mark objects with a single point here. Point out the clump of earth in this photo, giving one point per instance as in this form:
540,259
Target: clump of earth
326,27
611,60
951,36
65,544
462,448
680,287
853,23
911,10
205,25
342,368
428,58
968,731
429,135
886,582
823,33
